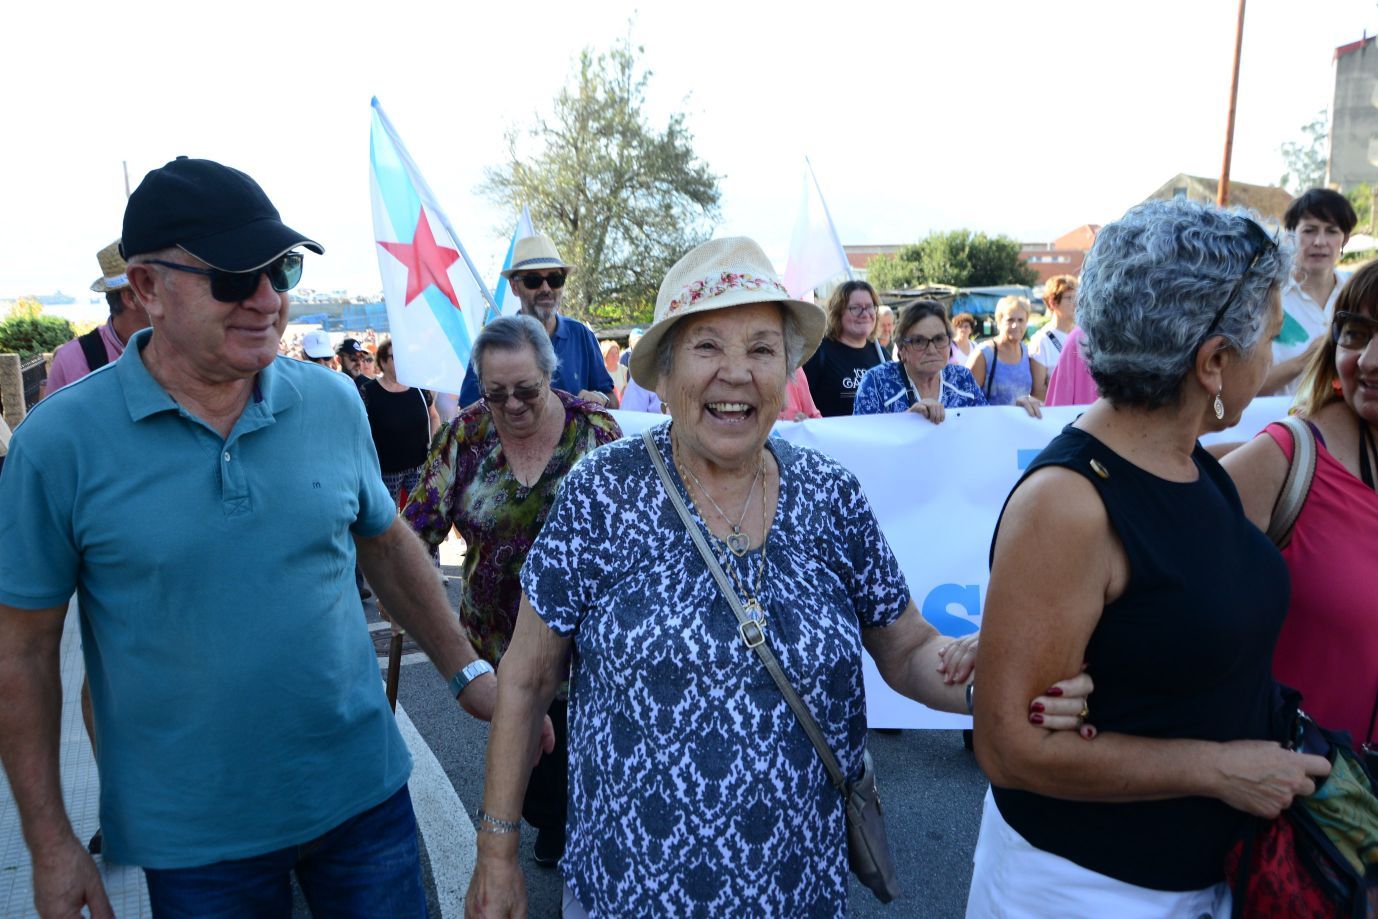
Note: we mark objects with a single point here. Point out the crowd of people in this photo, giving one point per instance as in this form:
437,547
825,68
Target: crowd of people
1139,624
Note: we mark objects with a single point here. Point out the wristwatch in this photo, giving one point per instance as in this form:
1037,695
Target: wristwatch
460,680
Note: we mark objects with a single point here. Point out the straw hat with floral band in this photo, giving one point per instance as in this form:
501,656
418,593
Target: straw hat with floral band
535,253
112,276
733,271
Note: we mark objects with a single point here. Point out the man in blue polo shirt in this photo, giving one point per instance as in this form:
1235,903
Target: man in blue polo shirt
211,543
538,277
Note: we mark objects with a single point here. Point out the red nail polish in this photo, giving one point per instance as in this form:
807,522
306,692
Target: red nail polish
1035,718
1036,706
1053,691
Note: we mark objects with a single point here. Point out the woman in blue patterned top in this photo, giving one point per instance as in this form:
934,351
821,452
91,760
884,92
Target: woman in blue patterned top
921,381
693,790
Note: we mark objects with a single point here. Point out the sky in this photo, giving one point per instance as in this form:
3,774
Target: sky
1027,119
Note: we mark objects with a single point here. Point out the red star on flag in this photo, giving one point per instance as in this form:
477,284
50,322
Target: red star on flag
426,262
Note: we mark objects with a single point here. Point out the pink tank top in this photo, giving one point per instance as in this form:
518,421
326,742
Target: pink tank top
1328,647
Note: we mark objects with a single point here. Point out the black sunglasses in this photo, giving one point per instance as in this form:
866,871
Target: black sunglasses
533,281
235,286
526,393
1263,244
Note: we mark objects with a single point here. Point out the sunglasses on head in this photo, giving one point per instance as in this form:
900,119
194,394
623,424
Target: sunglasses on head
235,286
1263,244
525,393
533,281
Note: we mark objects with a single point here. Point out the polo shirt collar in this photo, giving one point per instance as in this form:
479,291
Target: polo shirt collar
144,396
560,330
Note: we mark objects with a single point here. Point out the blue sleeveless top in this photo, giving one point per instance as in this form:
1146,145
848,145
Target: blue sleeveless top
1006,382
1185,652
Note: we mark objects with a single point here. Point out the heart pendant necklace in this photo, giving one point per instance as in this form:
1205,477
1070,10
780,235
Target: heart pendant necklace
738,542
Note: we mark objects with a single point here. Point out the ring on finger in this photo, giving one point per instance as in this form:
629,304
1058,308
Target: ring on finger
1085,711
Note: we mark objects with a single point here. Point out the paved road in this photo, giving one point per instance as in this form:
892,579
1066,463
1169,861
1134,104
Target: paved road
930,784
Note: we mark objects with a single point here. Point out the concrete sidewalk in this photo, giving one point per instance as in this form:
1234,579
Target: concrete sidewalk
446,831
81,793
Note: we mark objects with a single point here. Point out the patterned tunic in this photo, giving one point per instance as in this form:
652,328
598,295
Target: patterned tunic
885,389
693,790
466,482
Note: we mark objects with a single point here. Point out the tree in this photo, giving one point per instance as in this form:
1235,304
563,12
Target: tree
26,331
1306,160
959,257
622,200
1361,196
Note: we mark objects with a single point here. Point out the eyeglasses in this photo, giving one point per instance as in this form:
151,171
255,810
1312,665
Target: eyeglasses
235,286
860,310
921,342
364,358
1351,331
526,392
533,281
1263,245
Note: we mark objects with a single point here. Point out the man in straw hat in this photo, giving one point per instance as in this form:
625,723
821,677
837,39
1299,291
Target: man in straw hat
244,732
105,343
538,277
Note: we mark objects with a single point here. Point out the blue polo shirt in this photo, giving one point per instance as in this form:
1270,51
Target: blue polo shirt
236,690
581,363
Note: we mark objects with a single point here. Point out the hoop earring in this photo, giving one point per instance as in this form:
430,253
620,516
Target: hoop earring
1219,406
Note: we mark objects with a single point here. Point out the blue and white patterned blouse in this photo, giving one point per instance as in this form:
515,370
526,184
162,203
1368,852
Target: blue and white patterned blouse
692,789
883,389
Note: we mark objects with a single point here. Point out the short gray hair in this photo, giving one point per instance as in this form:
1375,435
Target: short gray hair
794,344
513,333
1150,287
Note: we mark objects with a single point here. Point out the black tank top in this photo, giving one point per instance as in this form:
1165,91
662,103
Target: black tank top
1185,652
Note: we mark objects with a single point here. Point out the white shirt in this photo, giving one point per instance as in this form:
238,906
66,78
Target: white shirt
1047,344
1302,320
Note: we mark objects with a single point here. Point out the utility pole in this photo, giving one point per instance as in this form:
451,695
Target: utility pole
125,164
1222,191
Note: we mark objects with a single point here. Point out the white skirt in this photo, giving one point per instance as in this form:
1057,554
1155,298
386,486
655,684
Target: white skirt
1014,880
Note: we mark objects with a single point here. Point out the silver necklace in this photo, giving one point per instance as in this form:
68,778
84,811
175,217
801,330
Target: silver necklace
738,542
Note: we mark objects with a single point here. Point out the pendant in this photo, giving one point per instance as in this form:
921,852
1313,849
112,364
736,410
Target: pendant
739,543
753,611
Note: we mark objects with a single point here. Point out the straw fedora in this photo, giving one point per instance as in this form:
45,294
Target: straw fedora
535,253
112,267
718,274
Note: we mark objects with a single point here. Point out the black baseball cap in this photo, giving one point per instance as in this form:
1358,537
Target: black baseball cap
352,346
216,213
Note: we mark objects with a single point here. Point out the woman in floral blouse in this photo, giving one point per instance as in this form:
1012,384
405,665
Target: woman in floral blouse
492,474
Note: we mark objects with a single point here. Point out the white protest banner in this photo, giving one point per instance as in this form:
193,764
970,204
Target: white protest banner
937,491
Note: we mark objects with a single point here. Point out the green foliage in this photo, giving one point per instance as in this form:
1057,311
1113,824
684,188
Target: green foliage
1305,160
1361,196
26,331
621,199
958,257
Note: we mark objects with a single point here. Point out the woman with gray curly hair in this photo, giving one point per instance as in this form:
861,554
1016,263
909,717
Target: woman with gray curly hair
1161,585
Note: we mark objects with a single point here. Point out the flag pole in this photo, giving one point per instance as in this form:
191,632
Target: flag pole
1222,191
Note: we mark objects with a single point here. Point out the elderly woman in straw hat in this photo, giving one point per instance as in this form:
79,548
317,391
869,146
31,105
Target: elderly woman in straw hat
693,788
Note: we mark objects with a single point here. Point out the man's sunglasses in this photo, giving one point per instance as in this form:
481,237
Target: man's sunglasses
236,286
1263,245
526,393
533,281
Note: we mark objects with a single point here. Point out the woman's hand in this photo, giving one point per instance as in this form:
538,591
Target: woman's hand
1061,707
1031,405
957,658
930,409
497,888
1261,778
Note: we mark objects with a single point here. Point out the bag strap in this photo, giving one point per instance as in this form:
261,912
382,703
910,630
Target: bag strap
1297,485
990,369
93,348
750,630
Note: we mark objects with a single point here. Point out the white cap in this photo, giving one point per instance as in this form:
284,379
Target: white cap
316,343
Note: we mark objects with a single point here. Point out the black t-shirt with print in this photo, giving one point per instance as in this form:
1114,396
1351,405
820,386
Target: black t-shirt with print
834,373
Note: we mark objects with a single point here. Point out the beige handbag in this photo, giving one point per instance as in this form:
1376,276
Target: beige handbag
868,848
